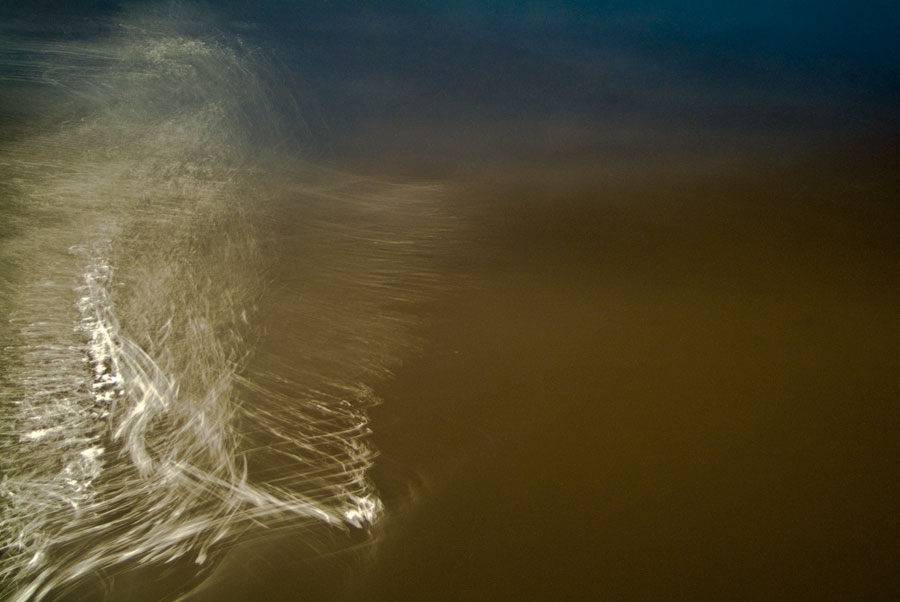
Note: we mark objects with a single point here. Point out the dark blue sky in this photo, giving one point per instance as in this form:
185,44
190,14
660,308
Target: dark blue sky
476,81
466,82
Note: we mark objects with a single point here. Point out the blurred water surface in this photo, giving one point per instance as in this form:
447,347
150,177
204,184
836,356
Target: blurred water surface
515,300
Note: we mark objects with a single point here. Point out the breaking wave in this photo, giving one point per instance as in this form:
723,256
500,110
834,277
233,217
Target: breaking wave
196,315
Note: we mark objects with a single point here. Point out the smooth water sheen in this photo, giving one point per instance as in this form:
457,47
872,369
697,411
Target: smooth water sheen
457,301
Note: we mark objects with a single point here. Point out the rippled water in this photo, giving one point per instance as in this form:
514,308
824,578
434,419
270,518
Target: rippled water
497,301
197,315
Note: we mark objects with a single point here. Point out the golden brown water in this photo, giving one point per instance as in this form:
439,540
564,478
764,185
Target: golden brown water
379,303
682,389
678,390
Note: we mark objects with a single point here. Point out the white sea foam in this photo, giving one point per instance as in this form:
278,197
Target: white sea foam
199,321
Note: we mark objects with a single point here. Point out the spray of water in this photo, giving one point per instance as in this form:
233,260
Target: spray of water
196,317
